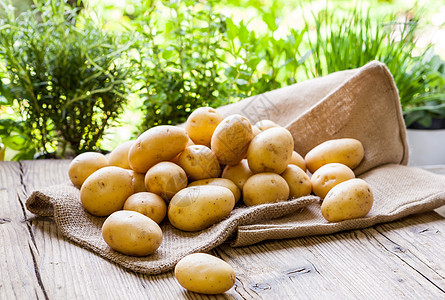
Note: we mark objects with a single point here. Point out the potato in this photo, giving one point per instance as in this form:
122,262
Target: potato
157,144
119,156
199,162
204,273
298,160
220,182
106,190
138,181
328,176
265,188
270,151
238,174
131,233
85,164
148,204
346,151
231,139
265,124
298,181
165,179
176,158
198,207
201,124
348,200
255,131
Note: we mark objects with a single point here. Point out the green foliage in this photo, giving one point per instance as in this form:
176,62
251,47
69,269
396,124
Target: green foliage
343,43
62,75
198,57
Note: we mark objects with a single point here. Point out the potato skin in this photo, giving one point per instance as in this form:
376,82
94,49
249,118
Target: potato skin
265,188
238,173
298,160
138,181
204,273
270,151
348,200
220,182
85,164
119,156
148,204
328,176
131,233
198,207
201,124
199,162
106,190
231,139
157,144
265,124
298,181
165,179
347,151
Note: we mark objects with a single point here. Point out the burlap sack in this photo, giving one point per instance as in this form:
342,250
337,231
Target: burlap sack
361,103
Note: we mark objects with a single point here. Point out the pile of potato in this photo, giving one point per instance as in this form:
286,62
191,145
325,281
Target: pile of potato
195,176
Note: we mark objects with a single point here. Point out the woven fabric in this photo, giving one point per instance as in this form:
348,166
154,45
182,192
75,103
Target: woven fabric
361,103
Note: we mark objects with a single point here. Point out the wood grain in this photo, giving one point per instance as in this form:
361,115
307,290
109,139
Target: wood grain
19,274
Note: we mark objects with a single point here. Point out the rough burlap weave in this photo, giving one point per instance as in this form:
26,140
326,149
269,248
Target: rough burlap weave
361,103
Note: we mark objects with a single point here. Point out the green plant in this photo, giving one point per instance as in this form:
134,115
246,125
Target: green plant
350,42
62,74
199,57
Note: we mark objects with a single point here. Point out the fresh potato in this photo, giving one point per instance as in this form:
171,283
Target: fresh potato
298,160
265,188
198,207
231,139
220,182
85,164
199,162
348,200
270,151
346,151
298,181
204,273
328,176
265,124
131,233
201,124
138,181
176,158
165,179
238,174
255,131
157,144
119,156
148,204
106,190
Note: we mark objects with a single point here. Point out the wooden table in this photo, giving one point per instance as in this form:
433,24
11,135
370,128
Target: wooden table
399,260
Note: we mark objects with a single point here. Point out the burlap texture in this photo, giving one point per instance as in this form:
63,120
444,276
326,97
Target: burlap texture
361,103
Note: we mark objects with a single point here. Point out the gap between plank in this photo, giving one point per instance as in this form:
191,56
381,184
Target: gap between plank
429,280
21,199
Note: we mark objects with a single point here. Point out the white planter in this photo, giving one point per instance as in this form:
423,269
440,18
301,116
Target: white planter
426,147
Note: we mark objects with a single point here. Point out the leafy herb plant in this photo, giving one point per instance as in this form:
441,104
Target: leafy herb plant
62,74
350,42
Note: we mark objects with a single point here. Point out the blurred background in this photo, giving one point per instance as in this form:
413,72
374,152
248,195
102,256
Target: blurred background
88,75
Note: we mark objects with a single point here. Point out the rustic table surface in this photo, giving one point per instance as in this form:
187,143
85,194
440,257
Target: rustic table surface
398,260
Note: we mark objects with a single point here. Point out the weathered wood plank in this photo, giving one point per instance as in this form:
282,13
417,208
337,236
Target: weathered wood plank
69,271
19,279
418,241
354,264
